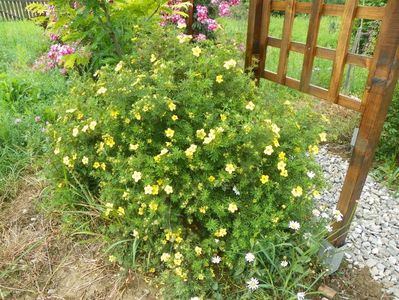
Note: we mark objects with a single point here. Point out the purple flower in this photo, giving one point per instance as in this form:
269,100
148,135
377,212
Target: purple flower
224,9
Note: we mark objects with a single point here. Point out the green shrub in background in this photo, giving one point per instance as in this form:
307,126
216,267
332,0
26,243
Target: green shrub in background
388,149
186,175
101,30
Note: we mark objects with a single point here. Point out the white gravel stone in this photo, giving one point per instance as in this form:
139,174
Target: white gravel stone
373,239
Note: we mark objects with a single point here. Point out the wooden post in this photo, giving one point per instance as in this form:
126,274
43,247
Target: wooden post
381,83
253,34
190,18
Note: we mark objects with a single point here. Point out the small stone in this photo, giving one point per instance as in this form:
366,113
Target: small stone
371,262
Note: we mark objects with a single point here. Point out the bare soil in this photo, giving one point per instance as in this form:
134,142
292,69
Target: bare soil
39,261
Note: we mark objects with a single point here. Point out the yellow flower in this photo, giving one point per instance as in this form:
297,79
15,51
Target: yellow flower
85,128
268,150
190,151
223,117
198,250
114,114
155,189
219,79
92,125
221,232
153,206
232,208
175,118
85,160
284,173
121,211
323,137
203,209
297,191
201,134
250,105
109,140
168,189
148,190
211,178
282,156
133,147
66,160
230,168
103,166
169,132
313,149
316,194
101,91
112,259
56,151
96,165
264,179
137,116
119,66
171,106
165,257
75,132
136,176
276,143
153,58
275,219
196,51
281,165
230,64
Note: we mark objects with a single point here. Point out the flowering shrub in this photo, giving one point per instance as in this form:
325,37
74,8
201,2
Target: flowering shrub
102,29
205,13
187,173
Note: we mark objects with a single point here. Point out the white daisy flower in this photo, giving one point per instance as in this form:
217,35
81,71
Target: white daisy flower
294,225
284,263
300,296
253,284
249,257
216,259
236,191
311,174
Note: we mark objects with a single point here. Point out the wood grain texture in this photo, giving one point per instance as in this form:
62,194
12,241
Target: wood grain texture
253,32
319,92
341,53
311,45
264,33
286,40
336,10
358,60
381,83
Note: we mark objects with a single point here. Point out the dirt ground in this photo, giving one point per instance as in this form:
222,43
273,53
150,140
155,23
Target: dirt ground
38,261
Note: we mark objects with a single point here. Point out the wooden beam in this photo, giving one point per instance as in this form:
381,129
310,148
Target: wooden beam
341,53
253,32
286,40
190,18
381,83
319,92
362,61
311,45
264,33
336,10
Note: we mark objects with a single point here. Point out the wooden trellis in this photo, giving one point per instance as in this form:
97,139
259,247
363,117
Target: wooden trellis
11,10
383,68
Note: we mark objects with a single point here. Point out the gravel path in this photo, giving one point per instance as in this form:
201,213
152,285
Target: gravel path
374,235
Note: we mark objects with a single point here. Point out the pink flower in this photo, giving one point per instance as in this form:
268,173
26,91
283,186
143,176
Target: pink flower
224,9
212,24
200,37
202,13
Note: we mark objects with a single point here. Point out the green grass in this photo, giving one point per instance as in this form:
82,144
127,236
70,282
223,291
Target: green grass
20,44
24,95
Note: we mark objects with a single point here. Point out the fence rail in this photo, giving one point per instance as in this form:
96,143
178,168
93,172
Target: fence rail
11,10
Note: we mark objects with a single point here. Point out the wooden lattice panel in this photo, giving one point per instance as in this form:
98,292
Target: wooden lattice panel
383,69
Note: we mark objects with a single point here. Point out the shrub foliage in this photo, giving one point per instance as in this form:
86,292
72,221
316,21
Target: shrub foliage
185,168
